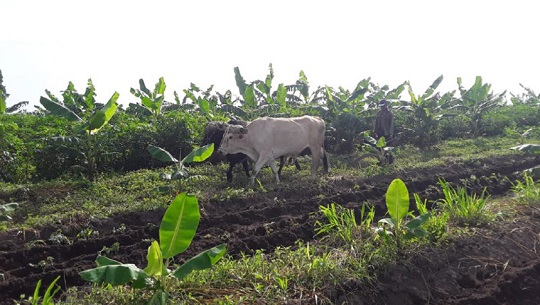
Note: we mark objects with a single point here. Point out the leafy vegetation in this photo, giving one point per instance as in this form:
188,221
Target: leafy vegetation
464,208
397,202
176,232
48,296
181,172
151,101
126,154
528,190
86,148
476,102
426,112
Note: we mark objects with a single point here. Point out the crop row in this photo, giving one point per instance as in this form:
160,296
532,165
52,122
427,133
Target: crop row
75,133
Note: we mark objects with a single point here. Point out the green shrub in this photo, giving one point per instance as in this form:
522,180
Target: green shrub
129,136
496,121
23,146
522,115
455,127
347,127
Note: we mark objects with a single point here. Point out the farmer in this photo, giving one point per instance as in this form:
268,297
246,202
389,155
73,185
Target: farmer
384,123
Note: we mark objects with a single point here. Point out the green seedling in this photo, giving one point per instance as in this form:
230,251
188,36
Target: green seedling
528,191
198,155
378,148
49,293
397,202
176,232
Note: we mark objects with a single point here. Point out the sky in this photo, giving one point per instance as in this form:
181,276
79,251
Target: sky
46,44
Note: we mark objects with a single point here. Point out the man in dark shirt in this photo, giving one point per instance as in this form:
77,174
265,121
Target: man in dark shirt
384,123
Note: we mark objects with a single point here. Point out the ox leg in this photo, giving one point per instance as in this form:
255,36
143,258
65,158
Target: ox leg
315,159
246,166
256,170
326,161
281,164
262,161
297,164
273,165
229,171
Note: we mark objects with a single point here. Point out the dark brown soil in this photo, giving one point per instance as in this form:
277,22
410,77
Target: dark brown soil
499,264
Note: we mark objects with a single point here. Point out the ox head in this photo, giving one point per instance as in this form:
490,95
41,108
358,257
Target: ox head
213,133
233,139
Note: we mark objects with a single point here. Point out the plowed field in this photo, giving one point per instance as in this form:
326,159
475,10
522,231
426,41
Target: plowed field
499,264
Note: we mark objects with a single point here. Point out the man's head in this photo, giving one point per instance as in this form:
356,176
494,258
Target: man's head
383,103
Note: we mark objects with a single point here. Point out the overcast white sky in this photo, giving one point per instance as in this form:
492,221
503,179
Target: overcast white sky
46,44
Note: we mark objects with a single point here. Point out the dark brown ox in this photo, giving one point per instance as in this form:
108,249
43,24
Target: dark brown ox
213,133
266,139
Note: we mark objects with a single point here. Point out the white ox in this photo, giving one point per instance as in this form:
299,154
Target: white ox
266,139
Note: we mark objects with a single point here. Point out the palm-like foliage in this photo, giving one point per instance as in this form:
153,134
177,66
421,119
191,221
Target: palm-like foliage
3,97
73,106
81,108
259,99
528,98
342,100
476,101
151,101
426,113
195,98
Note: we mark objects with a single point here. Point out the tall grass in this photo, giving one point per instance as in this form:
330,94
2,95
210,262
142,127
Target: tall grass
342,223
462,208
527,192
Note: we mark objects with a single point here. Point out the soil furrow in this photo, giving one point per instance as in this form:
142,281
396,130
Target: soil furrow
258,221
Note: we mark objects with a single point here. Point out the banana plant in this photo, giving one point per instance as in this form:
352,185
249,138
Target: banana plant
3,97
259,98
198,155
151,101
205,101
3,104
229,105
426,112
397,203
342,100
476,102
378,148
176,232
528,98
89,123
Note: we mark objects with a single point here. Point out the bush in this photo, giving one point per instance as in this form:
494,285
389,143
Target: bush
347,127
28,153
454,127
23,146
409,129
522,115
129,136
495,122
